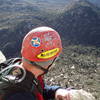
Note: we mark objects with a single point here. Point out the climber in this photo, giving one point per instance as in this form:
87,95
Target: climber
24,76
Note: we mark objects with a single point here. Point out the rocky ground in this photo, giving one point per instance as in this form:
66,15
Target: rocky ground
77,67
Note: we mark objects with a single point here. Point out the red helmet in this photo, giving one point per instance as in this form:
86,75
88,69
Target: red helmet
41,44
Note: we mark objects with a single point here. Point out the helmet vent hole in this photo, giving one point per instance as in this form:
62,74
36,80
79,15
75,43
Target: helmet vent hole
42,50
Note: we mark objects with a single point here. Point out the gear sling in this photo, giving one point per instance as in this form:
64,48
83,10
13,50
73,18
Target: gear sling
28,85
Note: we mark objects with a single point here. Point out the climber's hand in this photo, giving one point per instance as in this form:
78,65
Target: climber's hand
63,94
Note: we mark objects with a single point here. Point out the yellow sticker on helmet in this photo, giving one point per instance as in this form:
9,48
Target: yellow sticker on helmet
48,54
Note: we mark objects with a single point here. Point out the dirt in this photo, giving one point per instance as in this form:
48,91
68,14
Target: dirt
67,73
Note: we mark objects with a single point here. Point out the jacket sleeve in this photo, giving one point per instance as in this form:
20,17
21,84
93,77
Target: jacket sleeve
49,92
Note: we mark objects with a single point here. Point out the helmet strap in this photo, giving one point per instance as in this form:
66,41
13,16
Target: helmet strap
46,70
40,67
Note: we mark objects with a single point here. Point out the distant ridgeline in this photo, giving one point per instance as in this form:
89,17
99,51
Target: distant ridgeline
77,23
